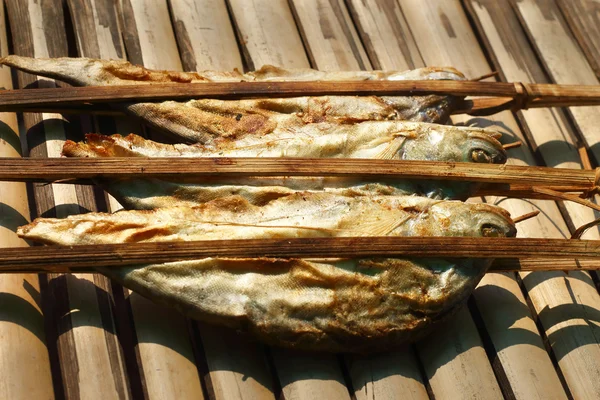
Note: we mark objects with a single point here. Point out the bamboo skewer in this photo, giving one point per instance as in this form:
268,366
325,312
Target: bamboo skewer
59,169
48,258
506,95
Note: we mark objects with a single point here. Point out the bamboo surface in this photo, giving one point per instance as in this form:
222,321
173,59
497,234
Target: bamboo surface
576,361
83,99
167,360
550,290
23,352
270,35
84,350
491,349
236,367
464,358
453,42
109,255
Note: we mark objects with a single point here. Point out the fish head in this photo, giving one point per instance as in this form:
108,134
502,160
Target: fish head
454,218
454,144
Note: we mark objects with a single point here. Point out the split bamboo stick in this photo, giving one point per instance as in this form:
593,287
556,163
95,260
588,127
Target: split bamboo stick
528,95
199,169
89,256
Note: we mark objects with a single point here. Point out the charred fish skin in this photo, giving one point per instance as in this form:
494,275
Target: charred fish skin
360,305
202,120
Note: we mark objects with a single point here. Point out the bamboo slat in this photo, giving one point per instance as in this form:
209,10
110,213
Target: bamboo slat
307,376
84,349
23,352
237,368
97,33
332,43
83,99
166,356
455,354
513,57
549,223
268,34
461,336
329,36
582,17
554,43
205,35
452,43
191,169
378,22
108,255
575,346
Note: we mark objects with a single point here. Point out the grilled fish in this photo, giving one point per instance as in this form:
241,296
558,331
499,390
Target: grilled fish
388,140
348,305
204,120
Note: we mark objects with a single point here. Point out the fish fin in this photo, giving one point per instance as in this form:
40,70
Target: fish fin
376,225
391,150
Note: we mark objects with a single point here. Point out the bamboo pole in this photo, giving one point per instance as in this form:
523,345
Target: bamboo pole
527,95
107,255
199,169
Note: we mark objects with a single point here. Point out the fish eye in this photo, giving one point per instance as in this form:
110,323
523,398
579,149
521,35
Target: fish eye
491,230
481,156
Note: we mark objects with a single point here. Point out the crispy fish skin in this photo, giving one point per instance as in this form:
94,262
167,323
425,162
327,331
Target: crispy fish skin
390,139
356,305
383,140
203,120
303,214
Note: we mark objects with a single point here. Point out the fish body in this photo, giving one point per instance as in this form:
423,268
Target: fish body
203,120
350,305
382,140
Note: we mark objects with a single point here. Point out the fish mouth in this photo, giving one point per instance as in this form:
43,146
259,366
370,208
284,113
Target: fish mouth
485,148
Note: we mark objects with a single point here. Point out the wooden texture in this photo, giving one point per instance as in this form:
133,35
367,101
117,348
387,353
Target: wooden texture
201,169
205,35
583,17
444,37
268,34
554,43
237,368
573,342
88,256
549,286
329,36
520,362
385,34
165,352
97,33
535,96
83,345
23,351
456,354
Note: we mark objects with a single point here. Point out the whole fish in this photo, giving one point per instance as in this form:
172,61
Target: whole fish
348,305
383,140
206,119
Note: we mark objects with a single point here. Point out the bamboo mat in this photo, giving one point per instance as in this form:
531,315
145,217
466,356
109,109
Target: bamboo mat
525,335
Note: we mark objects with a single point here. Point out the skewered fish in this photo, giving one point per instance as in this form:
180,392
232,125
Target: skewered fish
356,305
207,119
387,140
